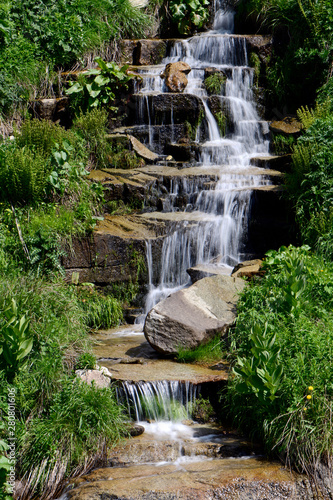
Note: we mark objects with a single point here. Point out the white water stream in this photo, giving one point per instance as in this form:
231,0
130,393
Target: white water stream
222,208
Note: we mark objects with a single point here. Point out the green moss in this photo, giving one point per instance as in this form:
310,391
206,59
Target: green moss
215,83
221,121
255,63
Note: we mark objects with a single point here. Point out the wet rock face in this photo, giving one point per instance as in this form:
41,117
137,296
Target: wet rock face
142,52
174,76
193,316
168,109
252,479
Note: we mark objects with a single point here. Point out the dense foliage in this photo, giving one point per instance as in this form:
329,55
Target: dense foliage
310,183
38,38
282,389
46,200
303,44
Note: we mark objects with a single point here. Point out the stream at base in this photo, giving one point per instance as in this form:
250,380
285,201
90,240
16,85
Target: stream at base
176,457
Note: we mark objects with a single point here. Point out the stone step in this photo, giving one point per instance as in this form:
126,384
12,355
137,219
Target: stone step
145,52
234,478
118,348
281,163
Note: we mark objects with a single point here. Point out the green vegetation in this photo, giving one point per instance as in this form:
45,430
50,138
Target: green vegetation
310,181
215,83
38,39
211,352
45,201
201,410
101,91
255,63
44,335
101,311
301,60
189,15
282,389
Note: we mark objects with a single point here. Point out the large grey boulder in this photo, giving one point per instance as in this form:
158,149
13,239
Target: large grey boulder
194,315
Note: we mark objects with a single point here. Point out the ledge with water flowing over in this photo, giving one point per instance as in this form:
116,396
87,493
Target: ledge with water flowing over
129,357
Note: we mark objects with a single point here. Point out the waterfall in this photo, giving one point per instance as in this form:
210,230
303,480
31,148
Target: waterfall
158,401
216,226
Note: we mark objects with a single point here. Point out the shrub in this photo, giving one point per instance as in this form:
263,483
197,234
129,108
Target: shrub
310,181
101,311
41,136
92,127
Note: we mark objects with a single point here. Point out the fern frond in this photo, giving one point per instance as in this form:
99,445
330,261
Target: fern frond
307,116
301,157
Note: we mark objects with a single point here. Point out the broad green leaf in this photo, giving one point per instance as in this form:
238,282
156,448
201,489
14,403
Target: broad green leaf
102,80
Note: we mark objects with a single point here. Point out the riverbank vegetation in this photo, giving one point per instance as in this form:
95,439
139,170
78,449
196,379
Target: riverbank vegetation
281,347
282,388
45,201
301,62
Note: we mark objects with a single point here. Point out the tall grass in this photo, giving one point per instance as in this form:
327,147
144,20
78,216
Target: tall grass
39,38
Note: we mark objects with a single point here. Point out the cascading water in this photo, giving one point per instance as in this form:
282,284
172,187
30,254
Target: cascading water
158,401
219,214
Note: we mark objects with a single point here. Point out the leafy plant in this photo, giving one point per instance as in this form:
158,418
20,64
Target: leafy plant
255,63
22,175
283,144
16,341
282,390
63,168
107,81
189,14
260,374
5,467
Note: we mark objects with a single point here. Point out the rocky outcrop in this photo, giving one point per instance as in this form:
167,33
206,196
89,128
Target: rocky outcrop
169,109
281,163
202,271
53,109
174,76
288,126
99,378
247,269
143,52
110,254
193,316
